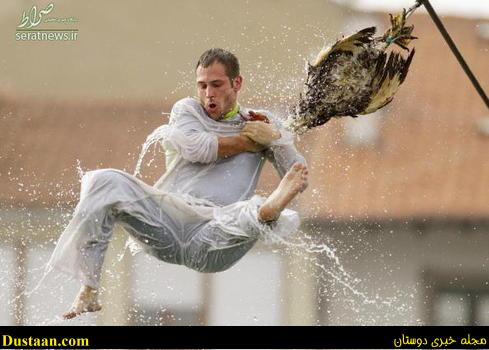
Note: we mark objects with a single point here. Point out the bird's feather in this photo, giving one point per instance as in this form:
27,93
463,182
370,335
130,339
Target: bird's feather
387,82
354,76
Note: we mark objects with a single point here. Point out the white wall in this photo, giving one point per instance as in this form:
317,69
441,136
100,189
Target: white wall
154,281
53,297
7,275
250,293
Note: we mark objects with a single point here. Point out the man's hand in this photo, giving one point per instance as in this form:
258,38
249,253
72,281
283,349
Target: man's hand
255,116
260,132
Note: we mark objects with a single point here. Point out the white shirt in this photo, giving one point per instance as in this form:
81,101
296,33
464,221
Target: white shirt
193,167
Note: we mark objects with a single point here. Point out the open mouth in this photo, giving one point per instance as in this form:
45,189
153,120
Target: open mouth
212,105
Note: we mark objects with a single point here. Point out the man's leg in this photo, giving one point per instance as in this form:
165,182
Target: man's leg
294,182
85,301
156,240
105,195
223,241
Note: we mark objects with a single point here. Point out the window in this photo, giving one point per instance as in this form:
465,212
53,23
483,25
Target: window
483,30
457,299
461,308
483,126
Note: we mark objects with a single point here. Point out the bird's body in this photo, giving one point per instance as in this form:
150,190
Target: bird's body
354,76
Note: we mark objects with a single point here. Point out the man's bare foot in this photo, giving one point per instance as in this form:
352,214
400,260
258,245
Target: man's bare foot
85,301
293,182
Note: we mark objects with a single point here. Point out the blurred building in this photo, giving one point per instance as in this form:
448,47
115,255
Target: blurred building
400,196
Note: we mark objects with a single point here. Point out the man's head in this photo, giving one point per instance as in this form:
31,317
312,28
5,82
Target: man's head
218,81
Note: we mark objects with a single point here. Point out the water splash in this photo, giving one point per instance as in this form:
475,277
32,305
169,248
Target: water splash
156,136
318,254
79,169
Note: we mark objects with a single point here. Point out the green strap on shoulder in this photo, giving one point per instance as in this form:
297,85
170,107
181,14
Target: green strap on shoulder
231,113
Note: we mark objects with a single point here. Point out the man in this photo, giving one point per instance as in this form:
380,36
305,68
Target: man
203,212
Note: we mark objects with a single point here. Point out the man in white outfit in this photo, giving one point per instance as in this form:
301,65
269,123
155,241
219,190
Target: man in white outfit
203,212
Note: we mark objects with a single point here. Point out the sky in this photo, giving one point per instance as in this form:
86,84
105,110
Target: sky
462,8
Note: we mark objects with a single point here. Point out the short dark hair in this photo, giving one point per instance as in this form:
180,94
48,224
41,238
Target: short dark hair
226,58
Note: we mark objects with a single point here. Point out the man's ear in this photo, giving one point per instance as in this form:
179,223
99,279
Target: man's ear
237,83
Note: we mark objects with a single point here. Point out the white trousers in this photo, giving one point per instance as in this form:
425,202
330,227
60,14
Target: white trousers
174,228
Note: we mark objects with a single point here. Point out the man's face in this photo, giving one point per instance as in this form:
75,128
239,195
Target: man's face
216,92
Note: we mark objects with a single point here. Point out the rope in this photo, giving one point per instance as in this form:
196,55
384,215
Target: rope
455,51
390,39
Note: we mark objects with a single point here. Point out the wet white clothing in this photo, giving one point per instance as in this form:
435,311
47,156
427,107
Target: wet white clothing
202,213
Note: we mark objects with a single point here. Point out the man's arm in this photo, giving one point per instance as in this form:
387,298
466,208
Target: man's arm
194,143
283,157
231,145
282,154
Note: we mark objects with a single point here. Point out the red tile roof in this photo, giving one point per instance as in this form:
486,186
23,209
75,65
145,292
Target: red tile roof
42,141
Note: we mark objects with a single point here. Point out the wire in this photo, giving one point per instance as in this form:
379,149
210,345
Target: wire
455,51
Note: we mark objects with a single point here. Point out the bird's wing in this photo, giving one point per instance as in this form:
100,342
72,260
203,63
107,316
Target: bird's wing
388,79
350,43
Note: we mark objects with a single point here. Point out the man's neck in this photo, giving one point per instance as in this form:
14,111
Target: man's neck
231,113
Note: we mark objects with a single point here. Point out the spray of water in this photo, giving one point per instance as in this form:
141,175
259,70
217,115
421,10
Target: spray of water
155,137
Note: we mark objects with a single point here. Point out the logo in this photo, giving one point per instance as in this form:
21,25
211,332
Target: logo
28,30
